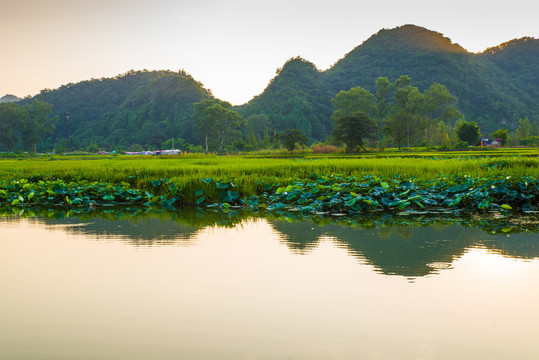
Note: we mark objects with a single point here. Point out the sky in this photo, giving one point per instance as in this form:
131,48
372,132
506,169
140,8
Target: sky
233,47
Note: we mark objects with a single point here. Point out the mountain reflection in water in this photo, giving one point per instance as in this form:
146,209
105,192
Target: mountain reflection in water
391,248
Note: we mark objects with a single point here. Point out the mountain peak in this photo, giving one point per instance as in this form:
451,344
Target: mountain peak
9,98
414,37
297,63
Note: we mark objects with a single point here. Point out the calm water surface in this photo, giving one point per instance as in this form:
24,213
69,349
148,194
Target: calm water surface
263,289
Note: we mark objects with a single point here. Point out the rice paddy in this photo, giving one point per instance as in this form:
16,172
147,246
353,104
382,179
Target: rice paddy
392,182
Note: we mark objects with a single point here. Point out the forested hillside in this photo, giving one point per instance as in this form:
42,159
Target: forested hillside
495,88
297,98
143,107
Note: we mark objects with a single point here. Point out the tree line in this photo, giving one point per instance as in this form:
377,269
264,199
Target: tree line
399,113
27,124
396,113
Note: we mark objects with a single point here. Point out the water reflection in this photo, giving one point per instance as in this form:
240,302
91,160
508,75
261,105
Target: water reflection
117,285
389,245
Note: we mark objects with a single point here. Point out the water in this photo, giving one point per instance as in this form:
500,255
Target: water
152,287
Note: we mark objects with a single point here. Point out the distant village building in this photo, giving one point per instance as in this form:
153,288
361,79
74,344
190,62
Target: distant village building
491,142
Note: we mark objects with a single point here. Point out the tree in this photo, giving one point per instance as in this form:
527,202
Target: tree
438,105
92,148
258,123
351,129
501,134
352,101
265,142
441,133
151,134
468,131
173,144
38,122
250,141
11,118
290,137
534,128
215,123
405,121
382,105
403,81
397,126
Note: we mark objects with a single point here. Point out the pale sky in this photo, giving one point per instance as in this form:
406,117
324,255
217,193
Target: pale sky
233,47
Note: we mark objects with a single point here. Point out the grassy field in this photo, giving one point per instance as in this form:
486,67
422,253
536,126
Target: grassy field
137,170
194,177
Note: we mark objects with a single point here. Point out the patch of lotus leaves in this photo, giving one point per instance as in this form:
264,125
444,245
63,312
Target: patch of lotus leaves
333,194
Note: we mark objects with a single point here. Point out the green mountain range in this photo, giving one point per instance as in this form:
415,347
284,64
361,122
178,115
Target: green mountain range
494,88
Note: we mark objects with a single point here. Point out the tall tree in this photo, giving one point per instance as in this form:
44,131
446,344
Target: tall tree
468,131
352,101
251,142
352,129
11,117
383,105
405,120
38,122
501,134
397,126
438,105
290,137
215,123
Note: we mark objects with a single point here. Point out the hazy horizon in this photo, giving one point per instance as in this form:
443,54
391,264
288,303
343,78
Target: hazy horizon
232,47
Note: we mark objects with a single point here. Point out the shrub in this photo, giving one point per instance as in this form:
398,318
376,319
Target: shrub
461,145
443,147
530,141
324,149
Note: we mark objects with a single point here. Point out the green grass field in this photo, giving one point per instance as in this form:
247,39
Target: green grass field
422,165
188,179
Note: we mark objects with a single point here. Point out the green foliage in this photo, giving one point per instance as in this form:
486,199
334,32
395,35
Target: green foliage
142,107
496,87
419,185
297,98
291,137
30,123
487,89
530,141
353,101
216,124
468,132
461,145
405,120
351,129
92,148
250,141
11,120
410,117
501,134
438,105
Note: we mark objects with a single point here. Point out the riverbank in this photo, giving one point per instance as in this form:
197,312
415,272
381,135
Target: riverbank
503,183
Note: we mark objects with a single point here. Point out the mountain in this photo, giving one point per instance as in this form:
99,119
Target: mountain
9,98
495,88
292,100
138,107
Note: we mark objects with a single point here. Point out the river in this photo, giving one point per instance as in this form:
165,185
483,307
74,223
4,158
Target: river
151,286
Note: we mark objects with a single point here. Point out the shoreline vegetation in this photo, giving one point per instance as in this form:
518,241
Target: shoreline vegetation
501,183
